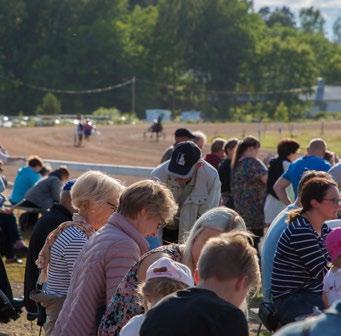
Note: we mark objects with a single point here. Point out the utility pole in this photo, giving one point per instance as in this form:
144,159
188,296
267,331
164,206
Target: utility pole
133,89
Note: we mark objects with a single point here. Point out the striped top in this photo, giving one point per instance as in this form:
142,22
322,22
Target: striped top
64,253
301,259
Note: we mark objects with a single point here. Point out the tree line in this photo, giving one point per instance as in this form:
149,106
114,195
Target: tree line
218,56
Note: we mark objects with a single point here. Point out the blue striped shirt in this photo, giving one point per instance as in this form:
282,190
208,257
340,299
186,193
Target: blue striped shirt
301,259
64,253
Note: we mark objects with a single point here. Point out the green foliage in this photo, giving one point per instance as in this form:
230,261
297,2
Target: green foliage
281,113
50,105
185,55
115,116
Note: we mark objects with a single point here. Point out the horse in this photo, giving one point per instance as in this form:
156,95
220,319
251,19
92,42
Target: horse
155,128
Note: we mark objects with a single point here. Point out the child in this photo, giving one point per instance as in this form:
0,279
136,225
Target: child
227,270
163,277
332,280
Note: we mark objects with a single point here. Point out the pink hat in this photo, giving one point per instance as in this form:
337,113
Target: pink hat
333,243
168,268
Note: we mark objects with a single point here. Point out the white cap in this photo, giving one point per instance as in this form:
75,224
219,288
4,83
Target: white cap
168,268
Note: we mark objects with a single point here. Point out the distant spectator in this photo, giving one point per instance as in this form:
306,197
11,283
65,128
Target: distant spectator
163,277
46,191
312,161
301,259
95,196
330,157
200,139
227,270
59,213
144,207
217,152
26,178
326,324
224,171
332,280
248,185
181,134
194,183
6,158
287,152
45,170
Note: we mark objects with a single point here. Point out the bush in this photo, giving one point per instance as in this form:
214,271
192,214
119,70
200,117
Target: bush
114,115
50,105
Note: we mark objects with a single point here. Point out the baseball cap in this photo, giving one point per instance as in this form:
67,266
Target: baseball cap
184,157
333,243
184,132
68,185
168,268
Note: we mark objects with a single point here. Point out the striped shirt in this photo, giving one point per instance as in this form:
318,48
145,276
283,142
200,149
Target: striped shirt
64,253
301,259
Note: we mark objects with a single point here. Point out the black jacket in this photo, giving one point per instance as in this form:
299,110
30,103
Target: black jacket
48,222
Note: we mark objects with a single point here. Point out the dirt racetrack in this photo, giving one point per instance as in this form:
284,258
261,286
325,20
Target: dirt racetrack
125,144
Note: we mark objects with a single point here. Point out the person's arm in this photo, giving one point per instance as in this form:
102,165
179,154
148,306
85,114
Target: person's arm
280,190
325,300
310,253
264,178
56,186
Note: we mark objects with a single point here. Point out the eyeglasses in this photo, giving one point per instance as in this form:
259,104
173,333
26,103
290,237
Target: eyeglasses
113,206
334,200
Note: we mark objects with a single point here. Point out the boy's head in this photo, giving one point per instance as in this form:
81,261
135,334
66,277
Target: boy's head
230,260
217,147
35,162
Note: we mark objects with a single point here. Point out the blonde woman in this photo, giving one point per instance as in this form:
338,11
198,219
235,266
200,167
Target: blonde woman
126,302
144,207
95,196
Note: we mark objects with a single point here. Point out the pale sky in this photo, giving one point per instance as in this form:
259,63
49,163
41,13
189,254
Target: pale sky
330,9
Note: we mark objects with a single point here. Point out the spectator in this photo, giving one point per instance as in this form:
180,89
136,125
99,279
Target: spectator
106,258
95,196
180,135
335,172
163,277
12,245
194,183
332,280
217,152
312,161
327,324
331,157
227,270
287,151
58,214
126,302
46,191
200,139
8,159
45,170
301,259
26,178
224,171
275,231
248,185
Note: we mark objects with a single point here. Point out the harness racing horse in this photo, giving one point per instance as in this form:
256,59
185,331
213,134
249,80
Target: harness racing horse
155,128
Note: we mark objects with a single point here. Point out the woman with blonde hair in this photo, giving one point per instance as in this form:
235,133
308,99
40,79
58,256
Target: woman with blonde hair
126,301
95,196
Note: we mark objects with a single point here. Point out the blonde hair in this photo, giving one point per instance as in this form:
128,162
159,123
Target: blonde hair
151,195
221,218
95,186
230,256
157,288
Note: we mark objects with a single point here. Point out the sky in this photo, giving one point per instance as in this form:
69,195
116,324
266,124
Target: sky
330,9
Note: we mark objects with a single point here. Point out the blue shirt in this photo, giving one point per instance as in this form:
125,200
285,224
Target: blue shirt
271,239
298,167
25,179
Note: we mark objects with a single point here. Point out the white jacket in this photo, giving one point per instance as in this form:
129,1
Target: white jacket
204,196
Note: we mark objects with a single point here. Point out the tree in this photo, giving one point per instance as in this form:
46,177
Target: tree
337,30
281,16
281,113
50,105
312,20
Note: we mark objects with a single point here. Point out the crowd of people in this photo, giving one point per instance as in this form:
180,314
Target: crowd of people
182,252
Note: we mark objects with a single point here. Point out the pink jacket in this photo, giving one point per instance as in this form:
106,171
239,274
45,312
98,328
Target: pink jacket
103,262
